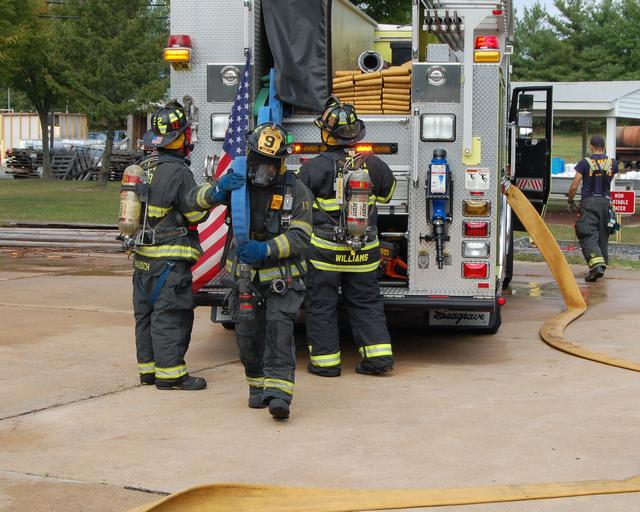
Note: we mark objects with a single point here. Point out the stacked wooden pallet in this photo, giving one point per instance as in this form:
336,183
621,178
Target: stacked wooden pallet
381,92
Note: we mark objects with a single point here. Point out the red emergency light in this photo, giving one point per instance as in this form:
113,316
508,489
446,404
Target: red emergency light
487,43
475,228
181,40
475,270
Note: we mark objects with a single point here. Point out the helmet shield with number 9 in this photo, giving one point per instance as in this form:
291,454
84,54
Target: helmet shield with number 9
267,146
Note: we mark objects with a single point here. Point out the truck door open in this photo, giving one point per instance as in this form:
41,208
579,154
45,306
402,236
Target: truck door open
530,145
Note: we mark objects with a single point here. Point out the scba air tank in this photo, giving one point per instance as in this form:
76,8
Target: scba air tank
358,191
130,206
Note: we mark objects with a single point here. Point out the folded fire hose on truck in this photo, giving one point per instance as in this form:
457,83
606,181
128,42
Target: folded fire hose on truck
266,498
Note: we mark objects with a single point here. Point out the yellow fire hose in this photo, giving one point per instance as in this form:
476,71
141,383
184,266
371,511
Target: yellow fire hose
265,498
552,332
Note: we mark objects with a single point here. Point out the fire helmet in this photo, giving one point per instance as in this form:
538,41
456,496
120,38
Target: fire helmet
340,124
267,147
167,124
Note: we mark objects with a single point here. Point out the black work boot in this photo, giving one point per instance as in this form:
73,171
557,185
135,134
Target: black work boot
147,379
366,368
279,409
255,399
595,273
330,371
187,383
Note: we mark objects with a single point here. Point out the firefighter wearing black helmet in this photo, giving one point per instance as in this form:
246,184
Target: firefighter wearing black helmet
162,298
279,233
335,263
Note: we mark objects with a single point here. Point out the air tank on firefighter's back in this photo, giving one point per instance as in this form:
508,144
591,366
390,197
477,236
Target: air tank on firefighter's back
130,205
357,218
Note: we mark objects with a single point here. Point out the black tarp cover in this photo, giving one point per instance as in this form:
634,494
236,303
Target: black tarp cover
299,34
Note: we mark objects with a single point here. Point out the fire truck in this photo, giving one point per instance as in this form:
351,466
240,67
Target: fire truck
447,233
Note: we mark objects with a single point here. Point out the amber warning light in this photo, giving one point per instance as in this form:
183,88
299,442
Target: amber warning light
487,49
379,148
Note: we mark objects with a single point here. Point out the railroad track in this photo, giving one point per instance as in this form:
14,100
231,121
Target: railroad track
67,236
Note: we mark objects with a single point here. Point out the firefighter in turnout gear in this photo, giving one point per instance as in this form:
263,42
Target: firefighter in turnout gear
166,249
337,258
269,270
595,173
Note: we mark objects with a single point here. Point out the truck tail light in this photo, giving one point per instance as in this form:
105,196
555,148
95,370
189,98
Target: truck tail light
475,270
487,49
473,228
476,207
475,249
178,52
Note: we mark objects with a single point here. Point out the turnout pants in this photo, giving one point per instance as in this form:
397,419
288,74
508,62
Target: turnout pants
592,230
267,345
163,328
361,293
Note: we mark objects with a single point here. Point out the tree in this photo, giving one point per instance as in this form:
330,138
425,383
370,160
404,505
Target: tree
387,11
27,60
585,41
112,58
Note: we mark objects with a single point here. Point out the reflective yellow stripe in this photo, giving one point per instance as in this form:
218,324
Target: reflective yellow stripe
255,382
157,211
284,249
283,385
598,260
339,246
203,193
269,274
304,226
330,205
169,251
384,349
174,372
145,368
321,265
387,198
194,216
325,360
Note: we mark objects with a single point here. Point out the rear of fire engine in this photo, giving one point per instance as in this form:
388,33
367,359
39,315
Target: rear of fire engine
446,235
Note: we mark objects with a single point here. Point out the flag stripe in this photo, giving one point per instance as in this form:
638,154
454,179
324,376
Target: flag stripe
213,233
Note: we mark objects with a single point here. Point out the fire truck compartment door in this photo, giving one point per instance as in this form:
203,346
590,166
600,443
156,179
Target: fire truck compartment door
531,116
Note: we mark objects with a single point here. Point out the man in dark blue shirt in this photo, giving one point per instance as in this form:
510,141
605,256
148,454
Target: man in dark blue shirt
595,173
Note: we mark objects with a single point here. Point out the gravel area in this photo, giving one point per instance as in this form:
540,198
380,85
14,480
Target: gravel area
523,245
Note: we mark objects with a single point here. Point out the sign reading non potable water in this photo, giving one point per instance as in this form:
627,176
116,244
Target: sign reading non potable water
624,202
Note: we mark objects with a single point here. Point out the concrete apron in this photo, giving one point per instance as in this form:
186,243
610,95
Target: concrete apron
459,410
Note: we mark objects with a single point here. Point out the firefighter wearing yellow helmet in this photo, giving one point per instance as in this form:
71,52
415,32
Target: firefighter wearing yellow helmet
345,250
279,232
167,248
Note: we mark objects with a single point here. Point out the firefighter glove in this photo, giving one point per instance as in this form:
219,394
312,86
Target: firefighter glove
253,251
230,181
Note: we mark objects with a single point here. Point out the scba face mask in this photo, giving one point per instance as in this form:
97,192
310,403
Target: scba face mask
263,174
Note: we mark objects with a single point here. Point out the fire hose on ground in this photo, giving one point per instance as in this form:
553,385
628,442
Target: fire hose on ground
266,498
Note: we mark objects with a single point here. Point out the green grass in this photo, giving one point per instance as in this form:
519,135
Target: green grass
58,201
567,146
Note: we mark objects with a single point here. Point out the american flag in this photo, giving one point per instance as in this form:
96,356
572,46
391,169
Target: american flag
213,232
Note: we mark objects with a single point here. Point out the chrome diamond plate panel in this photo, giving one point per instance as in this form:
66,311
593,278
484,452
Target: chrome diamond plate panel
218,36
486,125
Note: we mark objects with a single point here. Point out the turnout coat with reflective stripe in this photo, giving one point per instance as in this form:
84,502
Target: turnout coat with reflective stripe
175,201
319,175
285,244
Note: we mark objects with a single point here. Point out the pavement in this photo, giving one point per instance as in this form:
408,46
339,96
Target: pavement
78,433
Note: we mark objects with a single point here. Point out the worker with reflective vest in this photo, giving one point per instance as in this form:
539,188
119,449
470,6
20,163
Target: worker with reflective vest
162,298
592,227
336,261
268,270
